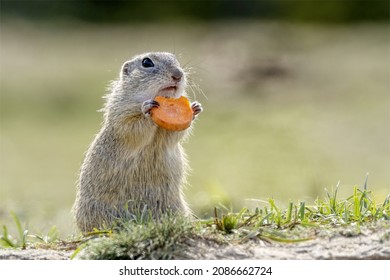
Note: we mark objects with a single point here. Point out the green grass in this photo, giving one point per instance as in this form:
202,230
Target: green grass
152,240
7,241
23,239
168,238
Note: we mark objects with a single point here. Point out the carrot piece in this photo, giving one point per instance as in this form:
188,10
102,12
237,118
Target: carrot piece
173,114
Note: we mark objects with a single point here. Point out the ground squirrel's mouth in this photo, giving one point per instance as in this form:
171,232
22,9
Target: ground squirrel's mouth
174,88
168,91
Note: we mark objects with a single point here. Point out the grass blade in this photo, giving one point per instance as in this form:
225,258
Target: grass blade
6,241
18,225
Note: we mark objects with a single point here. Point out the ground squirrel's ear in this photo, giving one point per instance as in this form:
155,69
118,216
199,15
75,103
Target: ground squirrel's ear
126,68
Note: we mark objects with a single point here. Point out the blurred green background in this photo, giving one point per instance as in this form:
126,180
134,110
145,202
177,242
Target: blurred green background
296,97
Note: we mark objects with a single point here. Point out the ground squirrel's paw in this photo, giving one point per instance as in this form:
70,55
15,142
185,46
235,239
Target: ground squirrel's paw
196,108
148,105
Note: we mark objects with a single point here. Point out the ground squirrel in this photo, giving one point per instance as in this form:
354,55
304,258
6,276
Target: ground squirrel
132,163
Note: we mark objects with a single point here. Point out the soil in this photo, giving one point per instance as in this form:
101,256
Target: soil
368,244
34,254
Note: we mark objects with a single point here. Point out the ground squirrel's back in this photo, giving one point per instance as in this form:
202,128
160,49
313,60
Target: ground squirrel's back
132,163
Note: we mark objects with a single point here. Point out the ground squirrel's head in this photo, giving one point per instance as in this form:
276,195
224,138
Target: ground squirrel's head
142,78
151,74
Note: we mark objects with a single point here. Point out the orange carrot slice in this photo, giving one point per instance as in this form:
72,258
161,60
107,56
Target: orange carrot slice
173,114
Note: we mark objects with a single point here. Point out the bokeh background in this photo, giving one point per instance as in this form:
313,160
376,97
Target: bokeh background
295,93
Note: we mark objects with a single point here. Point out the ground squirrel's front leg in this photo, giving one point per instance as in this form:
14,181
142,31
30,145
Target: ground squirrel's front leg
148,105
196,108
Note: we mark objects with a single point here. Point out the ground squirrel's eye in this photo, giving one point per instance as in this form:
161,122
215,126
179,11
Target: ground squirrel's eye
147,62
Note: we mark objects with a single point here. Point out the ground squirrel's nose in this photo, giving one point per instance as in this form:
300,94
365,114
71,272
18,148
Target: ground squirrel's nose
176,74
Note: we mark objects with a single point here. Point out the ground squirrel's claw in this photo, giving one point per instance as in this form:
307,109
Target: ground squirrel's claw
196,108
148,105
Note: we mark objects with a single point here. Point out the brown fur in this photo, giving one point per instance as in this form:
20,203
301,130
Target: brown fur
132,163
